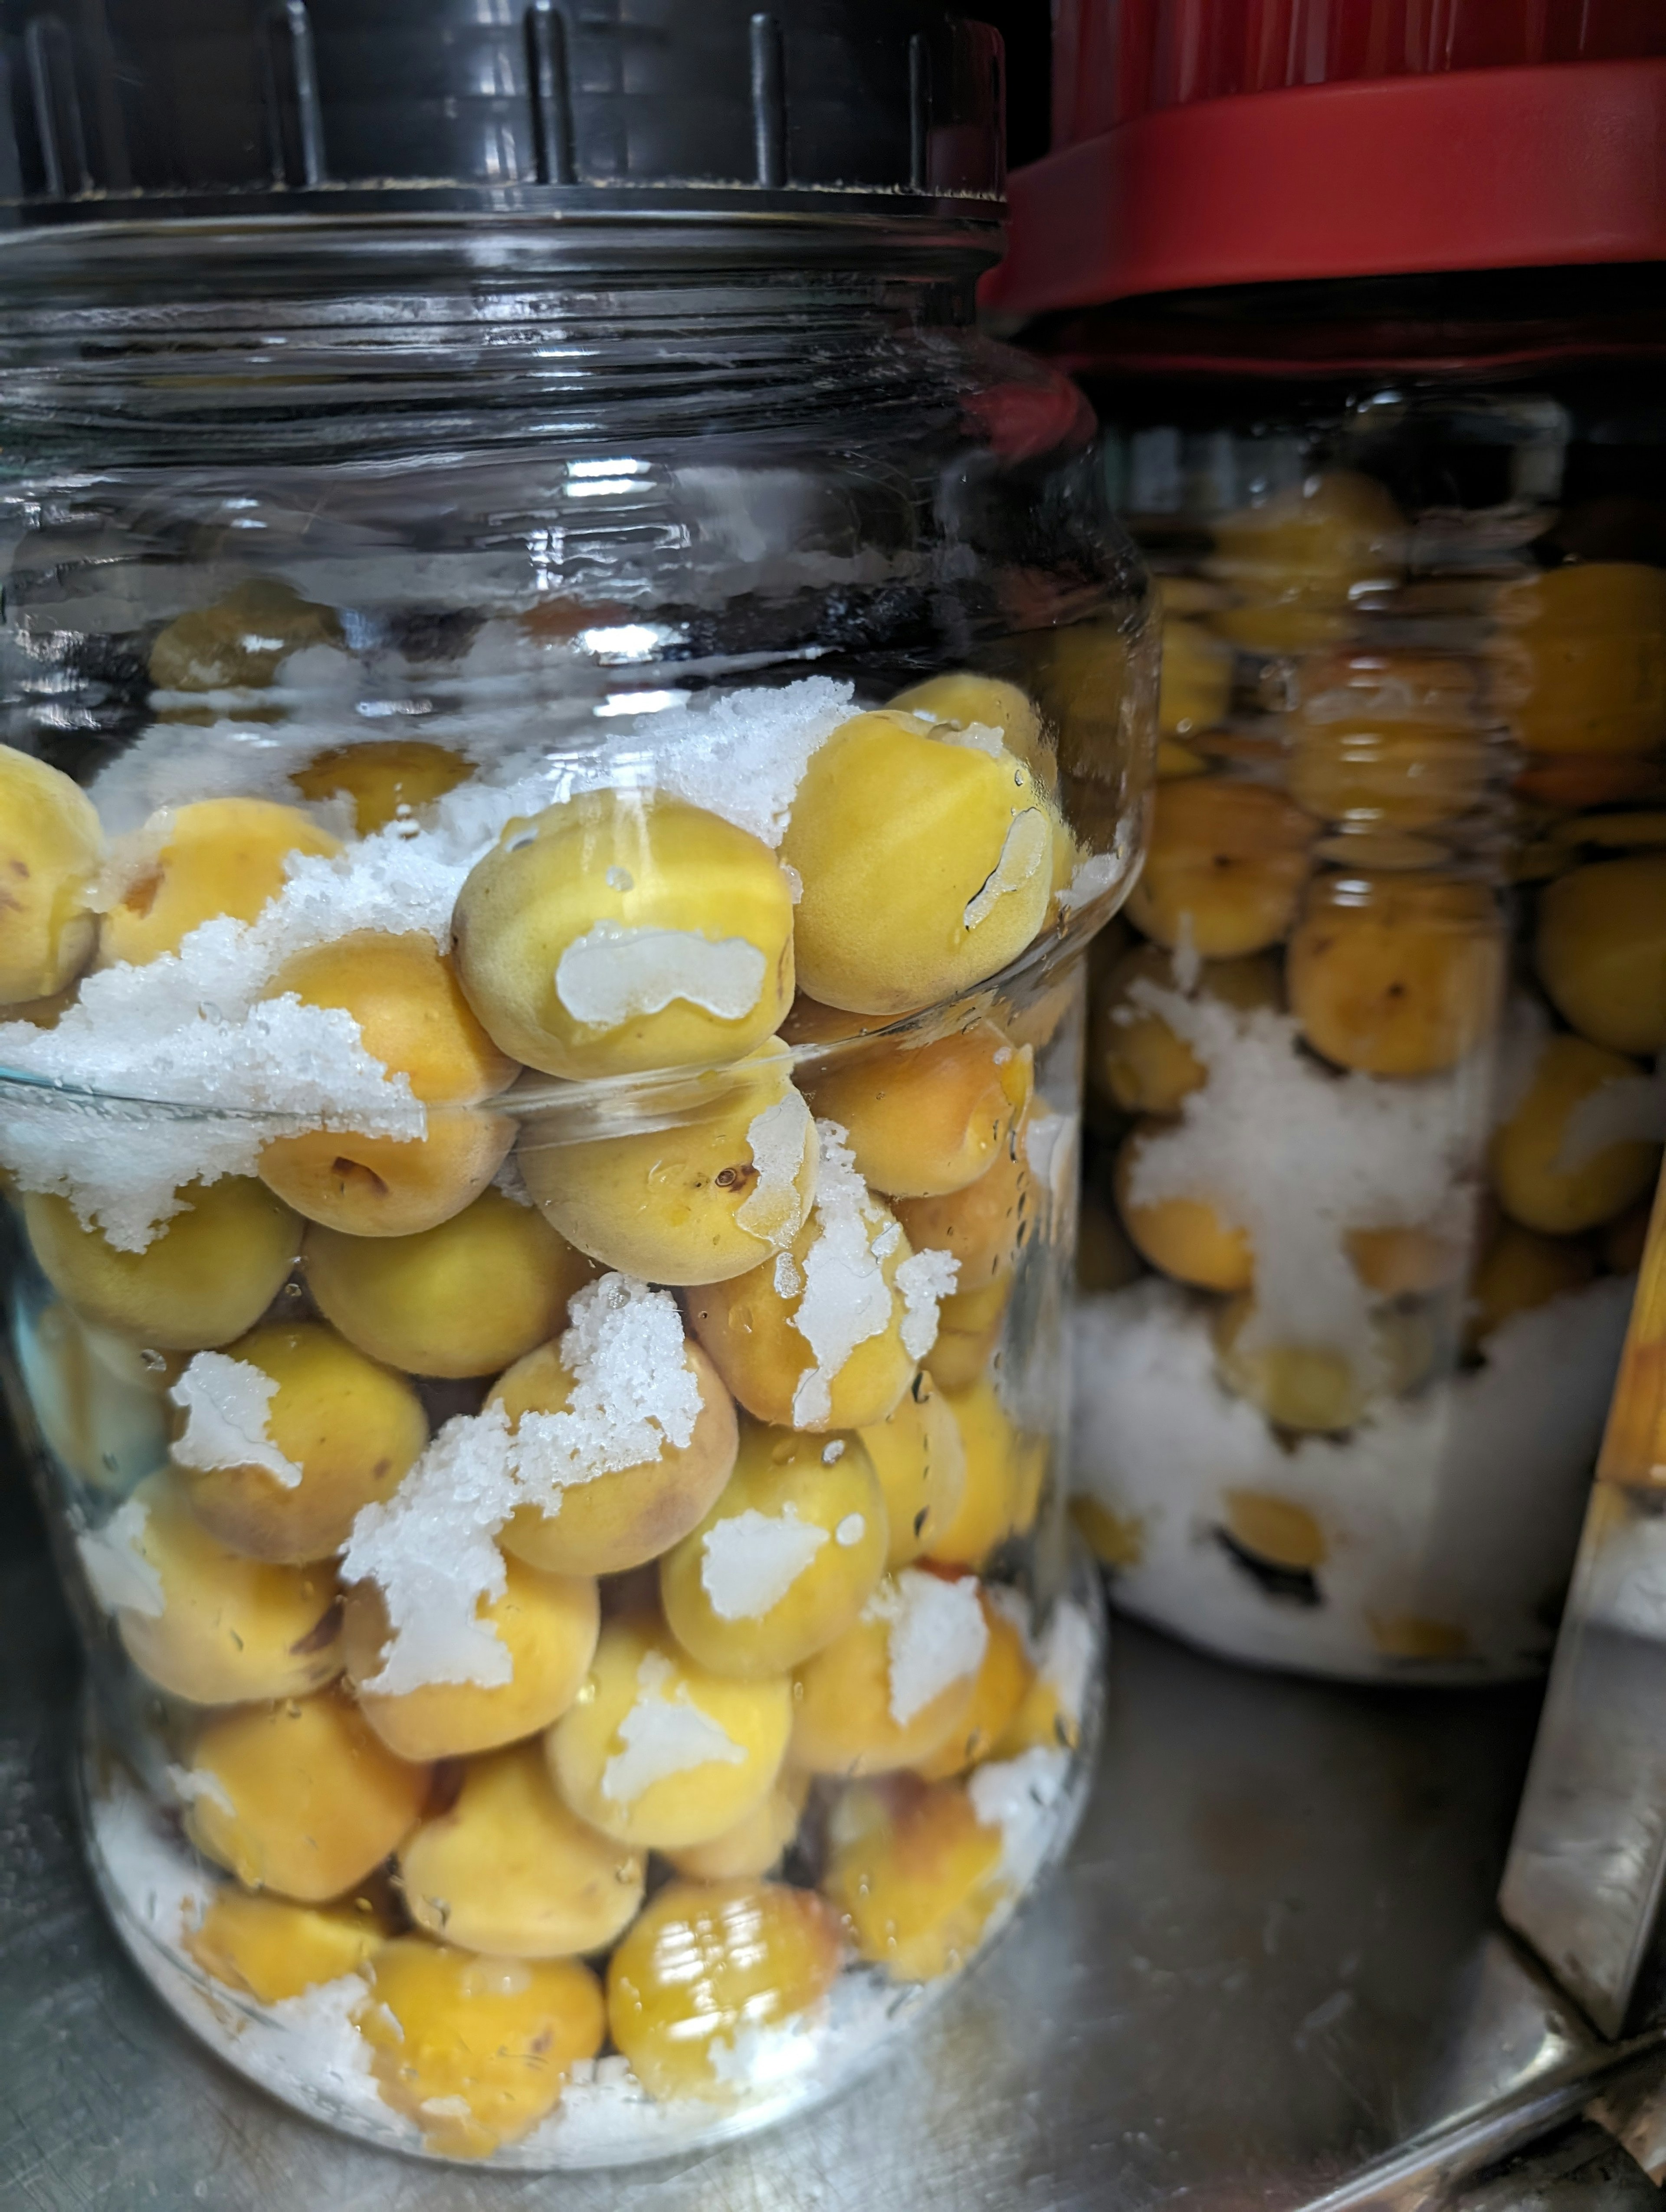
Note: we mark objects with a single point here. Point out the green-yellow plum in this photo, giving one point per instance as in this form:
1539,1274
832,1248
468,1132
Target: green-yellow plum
785,1560
850,1718
621,1520
927,864
385,782
217,857
925,1119
280,1458
1601,951
467,1298
206,1277
921,1463
300,1796
657,1750
749,1327
722,1177
548,1623
507,1869
475,2050
206,1624
1224,869
51,847
707,1963
1541,1180
237,643
413,1018
1396,976
626,930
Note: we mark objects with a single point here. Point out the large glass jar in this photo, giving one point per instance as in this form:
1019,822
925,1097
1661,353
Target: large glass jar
557,782
1375,1098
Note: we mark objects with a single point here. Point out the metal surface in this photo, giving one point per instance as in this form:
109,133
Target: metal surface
1586,1872
1266,1967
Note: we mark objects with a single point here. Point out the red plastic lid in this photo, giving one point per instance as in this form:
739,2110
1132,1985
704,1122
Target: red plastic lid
1207,142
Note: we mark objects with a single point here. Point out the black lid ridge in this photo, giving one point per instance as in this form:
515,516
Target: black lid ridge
140,111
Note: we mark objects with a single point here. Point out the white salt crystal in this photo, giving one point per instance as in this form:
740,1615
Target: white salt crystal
924,1278
1462,1504
1629,1109
1049,1153
1298,1157
322,2049
834,1452
173,764
634,1392
429,1548
201,1785
123,1580
227,1405
1027,846
741,755
1521,1039
787,1278
758,2055
937,1635
1066,1657
513,1184
1017,1796
846,1298
977,737
750,1560
850,1531
1090,879
614,973
1186,961
156,1878
782,1141
664,1733
240,1075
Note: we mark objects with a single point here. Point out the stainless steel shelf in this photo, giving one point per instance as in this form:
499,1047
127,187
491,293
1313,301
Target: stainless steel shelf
1270,1966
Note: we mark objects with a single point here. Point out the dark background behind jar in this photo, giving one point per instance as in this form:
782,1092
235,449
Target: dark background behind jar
1027,28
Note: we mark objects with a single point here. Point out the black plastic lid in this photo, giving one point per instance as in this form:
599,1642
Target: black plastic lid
125,111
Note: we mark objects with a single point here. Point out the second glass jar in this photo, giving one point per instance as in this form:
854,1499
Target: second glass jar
1376,1116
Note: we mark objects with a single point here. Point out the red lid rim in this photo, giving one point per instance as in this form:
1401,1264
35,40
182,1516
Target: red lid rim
1495,168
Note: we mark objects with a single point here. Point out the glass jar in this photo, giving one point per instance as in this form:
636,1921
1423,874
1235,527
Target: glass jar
558,781
1373,1079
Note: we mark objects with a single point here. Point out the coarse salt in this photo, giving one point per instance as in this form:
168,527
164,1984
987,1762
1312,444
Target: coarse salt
123,1580
741,755
750,1560
227,1406
665,1733
1627,1109
846,1298
614,973
1090,879
431,1547
634,1392
201,1785
1297,1158
430,1550
1025,848
937,1636
924,1278
781,1140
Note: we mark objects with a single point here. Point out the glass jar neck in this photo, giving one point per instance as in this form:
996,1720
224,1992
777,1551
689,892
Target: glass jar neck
298,331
